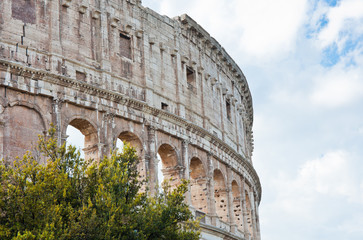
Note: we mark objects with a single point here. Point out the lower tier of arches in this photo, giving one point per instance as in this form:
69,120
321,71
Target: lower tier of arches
222,195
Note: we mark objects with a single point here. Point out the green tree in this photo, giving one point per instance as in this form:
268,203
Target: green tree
69,198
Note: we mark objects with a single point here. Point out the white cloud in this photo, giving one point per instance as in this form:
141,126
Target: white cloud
311,196
329,175
264,29
337,86
333,175
352,226
269,27
348,17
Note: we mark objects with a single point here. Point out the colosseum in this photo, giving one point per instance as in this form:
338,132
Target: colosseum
118,70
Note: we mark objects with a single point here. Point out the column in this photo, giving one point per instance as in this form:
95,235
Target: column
57,120
186,173
258,235
210,186
105,55
151,158
107,132
236,123
2,126
201,78
244,211
253,215
242,203
222,112
230,200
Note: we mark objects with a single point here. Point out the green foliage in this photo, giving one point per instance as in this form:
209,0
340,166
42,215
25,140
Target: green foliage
69,198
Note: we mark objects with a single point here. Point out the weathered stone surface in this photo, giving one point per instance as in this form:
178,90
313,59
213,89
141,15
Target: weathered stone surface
117,70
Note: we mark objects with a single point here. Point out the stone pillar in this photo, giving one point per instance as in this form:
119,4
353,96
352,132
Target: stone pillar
186,175
180,73
230,206
253,215
100,135
244,135
242,203
57,120
258,233
54,32
244,212
236,123
201,79
222,106
105,48
152,160
2,126
107,132
210,186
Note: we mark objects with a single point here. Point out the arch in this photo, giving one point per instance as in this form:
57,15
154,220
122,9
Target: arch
168,155
90,134
133,140
249,214
169,164
23,124
237,207
73,118
198,185
220,195
32,106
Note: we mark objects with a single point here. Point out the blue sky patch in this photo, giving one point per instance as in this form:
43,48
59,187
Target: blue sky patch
331,3
313,30
351,44
323,21
330,56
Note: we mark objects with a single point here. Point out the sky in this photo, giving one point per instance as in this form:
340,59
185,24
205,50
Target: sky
303,60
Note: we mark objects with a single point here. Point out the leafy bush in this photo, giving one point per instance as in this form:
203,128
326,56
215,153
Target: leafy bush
70,198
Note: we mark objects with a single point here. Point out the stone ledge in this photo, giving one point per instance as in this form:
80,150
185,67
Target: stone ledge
226,235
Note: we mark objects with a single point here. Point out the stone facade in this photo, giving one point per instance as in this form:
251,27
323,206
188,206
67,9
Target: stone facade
117,70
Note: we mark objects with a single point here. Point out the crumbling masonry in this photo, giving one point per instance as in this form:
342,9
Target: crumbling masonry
117,70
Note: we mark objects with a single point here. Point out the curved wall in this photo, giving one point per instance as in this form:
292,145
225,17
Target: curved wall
114,69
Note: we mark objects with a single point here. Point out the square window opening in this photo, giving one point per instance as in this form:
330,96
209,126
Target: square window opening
164,106
125,45
80,76
228,107
190,78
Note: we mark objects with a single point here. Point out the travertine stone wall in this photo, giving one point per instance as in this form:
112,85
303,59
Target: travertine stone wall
117,70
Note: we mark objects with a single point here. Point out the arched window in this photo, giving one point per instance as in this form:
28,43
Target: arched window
134,141
169,164
83,135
